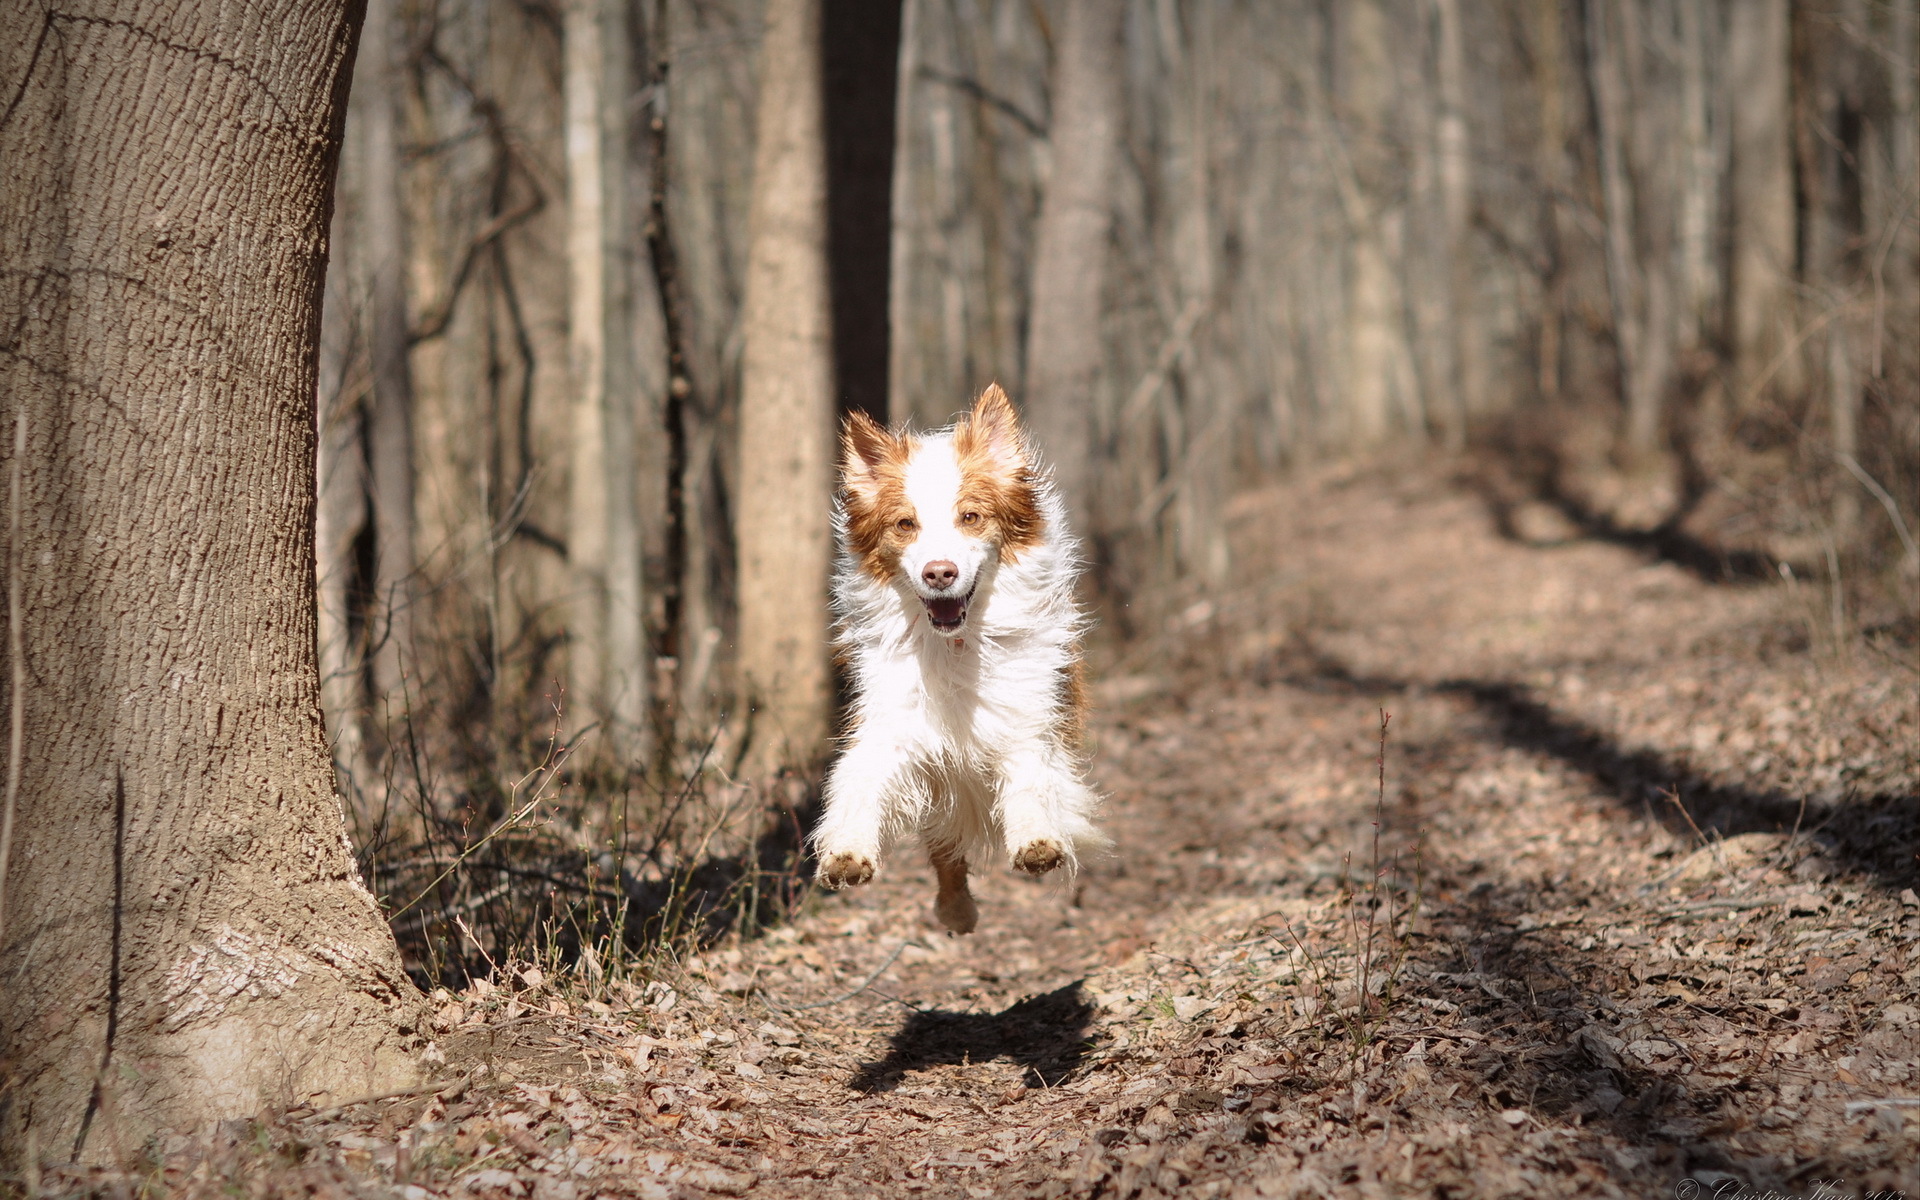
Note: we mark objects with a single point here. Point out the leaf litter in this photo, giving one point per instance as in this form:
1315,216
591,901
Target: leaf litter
1635,903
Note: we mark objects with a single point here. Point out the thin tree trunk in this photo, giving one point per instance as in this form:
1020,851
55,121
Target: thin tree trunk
783,530
1064,349
389,428
186,939
860,59
1635,294
1379,375
1699,186
1760,197
1550,76
609,662
340,516
1455,153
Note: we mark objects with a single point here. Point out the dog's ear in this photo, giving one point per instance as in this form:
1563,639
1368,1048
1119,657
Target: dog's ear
992,434
864,445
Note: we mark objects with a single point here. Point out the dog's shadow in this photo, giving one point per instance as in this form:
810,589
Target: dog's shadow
1046,1034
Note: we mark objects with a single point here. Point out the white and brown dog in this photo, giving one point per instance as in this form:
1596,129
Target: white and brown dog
957,620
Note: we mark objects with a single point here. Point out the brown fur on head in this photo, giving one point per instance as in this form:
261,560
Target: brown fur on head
873,472
997,473
998,498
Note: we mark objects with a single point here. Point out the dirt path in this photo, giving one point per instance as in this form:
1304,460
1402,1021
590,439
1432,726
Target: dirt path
1593,998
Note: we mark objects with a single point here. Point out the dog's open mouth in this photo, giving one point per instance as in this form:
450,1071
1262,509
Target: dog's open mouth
947,613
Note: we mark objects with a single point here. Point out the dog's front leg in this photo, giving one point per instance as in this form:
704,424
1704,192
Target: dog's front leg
861,789
1045,808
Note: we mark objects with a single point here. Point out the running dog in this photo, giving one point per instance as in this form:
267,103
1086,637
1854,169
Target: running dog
953,593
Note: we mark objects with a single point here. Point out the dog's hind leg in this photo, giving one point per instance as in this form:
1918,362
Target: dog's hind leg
954,903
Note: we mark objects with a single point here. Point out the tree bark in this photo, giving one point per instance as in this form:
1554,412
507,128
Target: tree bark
185,937
1065,349
1759,307
1470,383
389,424
1699,185
1379,377
784,531
860,62
1639,294
340,516
609,660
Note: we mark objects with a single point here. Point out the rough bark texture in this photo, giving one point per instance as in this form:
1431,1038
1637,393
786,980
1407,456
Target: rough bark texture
609,663
187,937
1064,347
786,403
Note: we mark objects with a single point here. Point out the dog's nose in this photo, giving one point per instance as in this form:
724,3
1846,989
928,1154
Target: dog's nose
939,574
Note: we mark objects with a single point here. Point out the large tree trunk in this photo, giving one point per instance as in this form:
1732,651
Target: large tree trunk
609,660
1065,349
389,424
185,938
786,404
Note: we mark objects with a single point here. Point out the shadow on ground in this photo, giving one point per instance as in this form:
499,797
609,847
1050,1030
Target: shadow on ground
1527,465
1874,837
1046,1034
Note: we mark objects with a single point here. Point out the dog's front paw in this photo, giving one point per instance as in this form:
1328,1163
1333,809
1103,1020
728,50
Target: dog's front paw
843,870
1039,856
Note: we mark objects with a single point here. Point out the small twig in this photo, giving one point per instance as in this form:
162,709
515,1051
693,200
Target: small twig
460,923
1673,797
15,643
987,96
1856,1107
1886,501
443,1090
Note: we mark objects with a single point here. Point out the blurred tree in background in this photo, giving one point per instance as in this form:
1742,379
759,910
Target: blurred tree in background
1656,262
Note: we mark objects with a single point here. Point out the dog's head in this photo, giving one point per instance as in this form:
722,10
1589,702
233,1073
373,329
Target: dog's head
935,514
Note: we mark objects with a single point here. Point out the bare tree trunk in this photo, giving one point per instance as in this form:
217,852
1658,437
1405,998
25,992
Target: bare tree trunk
609,662
1699,185
860,49
389,427
1064,349
1639,297
1549,48
784,534
1378,372
1470,383
1760,196
340,516
185,938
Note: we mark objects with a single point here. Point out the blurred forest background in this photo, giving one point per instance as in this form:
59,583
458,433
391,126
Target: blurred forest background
1652,266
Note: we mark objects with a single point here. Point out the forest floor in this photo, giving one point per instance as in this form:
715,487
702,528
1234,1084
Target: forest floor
1638,919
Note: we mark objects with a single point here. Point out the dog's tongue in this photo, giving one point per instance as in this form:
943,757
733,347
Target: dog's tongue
947,612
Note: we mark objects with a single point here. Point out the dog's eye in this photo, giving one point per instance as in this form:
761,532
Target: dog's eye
906,524
969,518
